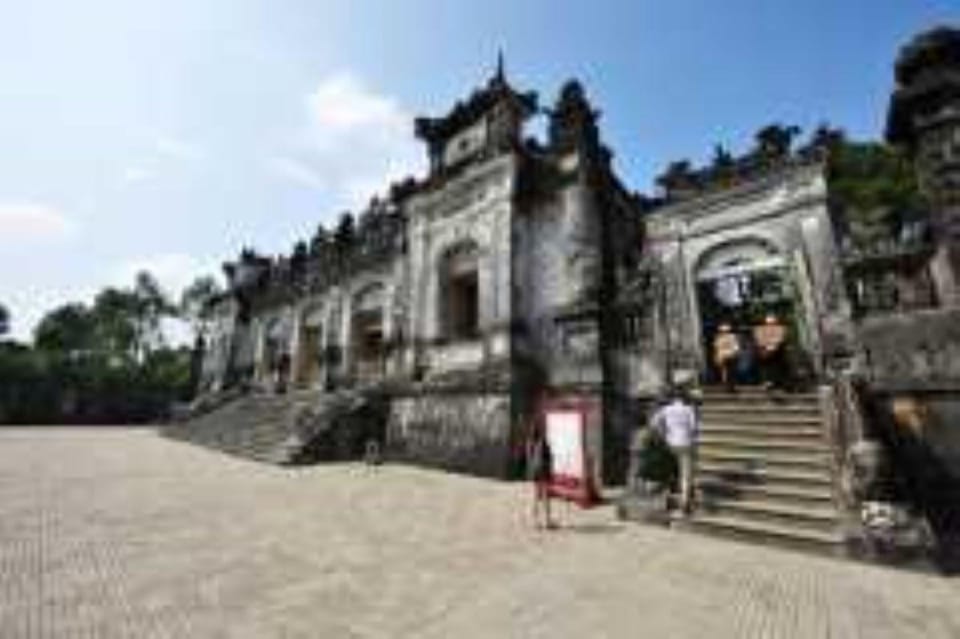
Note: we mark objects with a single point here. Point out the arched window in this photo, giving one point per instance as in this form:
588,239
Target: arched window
459,303
367,330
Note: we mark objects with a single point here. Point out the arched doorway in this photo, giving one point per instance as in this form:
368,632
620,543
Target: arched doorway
309,357
367,333
275,362
740,284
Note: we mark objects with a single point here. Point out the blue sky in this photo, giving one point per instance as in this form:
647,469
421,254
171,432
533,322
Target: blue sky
168,134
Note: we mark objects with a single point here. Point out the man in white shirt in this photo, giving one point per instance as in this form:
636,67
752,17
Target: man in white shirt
677,423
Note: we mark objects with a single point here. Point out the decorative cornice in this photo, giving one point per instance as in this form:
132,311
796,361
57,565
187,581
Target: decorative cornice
752,190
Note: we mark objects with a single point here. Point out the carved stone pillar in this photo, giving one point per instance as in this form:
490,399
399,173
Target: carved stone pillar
924,118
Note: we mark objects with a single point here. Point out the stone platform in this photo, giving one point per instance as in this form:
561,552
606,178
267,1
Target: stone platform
120,533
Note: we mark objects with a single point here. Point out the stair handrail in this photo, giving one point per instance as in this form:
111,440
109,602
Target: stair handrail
846,432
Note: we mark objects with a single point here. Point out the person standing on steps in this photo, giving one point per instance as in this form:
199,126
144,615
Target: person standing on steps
726,348
678,424
770,336
540,468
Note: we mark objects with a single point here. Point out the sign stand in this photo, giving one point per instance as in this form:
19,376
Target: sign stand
566,427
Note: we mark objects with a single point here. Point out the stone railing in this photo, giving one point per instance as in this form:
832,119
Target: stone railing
842,410
889,277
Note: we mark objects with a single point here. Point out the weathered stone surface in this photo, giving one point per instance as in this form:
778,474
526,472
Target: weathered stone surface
913,351
547,230
461,432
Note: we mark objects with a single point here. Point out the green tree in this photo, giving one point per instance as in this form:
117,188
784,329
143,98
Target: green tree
195,303
103,363
151,305
873,190
775,141
67,329
28,393
114,317
4,320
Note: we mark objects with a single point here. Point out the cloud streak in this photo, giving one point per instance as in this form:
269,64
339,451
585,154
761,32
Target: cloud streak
177,149
354,142
33,222
164,153
134,174
295,171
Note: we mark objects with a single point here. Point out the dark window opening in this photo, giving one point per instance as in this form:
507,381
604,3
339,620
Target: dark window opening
464,306
460,295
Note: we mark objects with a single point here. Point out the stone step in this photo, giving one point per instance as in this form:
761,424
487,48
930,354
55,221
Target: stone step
756,394
798,433
789,492
820,541
257,426
718,407
737,473
807,516
760,445
752,459
760,418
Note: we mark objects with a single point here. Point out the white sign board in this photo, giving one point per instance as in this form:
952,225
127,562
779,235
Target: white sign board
565,436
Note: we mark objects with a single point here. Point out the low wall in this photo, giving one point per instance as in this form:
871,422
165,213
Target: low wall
913,362
463,432
913,373
913,351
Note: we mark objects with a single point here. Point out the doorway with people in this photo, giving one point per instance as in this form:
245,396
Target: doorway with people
750,320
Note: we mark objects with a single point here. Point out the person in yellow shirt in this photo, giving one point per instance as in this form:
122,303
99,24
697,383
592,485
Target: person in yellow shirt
726,347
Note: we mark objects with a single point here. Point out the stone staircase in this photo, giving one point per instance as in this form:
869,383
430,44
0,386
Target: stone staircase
295,427
764,471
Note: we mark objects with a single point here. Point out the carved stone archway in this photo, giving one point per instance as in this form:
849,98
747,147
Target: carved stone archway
368,332
310,346
736,283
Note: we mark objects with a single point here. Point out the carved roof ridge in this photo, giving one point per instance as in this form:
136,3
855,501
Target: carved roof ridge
481,100
749,186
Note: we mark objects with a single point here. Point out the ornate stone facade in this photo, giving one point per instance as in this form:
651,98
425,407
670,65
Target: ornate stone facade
465,295
520,269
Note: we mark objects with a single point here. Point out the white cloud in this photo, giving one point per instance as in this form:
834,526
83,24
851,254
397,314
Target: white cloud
295,171
356,141
165,153
134,174
342,103
177,149
32,222
173,271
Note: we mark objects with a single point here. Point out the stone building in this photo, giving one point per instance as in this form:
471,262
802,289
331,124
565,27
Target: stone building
520,270
464,296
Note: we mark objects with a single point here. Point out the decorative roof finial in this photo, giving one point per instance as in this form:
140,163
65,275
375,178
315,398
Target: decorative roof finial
501,74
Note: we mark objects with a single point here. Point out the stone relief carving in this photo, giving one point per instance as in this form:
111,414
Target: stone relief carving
452,423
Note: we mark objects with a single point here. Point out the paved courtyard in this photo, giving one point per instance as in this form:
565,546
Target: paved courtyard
120,533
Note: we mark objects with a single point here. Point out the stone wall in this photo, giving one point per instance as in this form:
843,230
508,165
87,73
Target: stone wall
784,212
911,362
465,432
915,358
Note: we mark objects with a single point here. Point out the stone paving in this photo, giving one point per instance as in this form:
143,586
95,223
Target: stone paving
120,533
